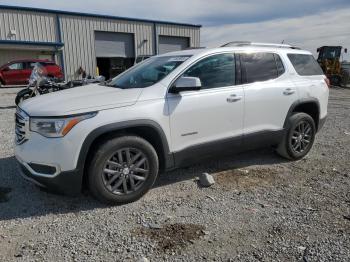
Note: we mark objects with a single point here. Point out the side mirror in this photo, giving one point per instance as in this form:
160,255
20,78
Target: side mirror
186,84
345,50
318,50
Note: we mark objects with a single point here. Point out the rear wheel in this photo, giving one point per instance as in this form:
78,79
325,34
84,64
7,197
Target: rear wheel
335,81
299,137
122,170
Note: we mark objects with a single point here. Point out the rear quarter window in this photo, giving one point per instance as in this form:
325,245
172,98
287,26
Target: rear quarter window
305,65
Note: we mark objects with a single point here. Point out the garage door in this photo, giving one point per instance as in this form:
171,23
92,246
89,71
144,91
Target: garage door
114,44
172,43
10,55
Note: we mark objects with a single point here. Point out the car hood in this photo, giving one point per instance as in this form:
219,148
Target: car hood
81,99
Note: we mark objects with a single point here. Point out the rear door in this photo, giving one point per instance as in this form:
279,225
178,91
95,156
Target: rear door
28,67
13,75
269,93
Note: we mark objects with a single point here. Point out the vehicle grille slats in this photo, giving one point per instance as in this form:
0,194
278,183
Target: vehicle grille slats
20,126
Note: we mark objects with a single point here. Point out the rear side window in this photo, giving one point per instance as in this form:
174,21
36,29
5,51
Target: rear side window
261,66
48,63
305,65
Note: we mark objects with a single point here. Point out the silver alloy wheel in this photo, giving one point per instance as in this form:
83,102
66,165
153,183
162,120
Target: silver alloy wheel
125,171
301,137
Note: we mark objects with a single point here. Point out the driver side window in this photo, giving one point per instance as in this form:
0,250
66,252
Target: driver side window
16,66
214,71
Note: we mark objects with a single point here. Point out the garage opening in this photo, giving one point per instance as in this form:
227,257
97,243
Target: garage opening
8,55
172,43
115,52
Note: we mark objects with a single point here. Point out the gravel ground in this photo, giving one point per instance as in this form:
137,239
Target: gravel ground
261,208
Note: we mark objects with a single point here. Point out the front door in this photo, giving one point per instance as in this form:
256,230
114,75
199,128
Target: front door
210,120
13,75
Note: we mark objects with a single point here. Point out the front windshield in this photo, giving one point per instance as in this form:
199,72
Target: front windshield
148,73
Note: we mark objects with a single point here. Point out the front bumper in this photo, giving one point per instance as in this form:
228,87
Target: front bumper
67,182
321,123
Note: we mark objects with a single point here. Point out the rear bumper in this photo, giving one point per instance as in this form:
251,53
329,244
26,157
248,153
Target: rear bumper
67,183
321,123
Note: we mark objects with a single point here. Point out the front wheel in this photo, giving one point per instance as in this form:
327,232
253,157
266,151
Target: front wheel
123,169
299,137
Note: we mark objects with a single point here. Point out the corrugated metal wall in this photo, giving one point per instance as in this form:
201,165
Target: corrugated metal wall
29,26
77,34
176,30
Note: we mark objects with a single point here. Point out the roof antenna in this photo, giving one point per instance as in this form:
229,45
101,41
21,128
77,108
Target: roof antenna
282,41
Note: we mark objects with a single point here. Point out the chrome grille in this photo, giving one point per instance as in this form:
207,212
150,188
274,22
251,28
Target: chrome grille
21,121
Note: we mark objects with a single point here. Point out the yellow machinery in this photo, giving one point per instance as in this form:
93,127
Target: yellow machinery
329,60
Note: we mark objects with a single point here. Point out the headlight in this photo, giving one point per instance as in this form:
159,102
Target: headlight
56,127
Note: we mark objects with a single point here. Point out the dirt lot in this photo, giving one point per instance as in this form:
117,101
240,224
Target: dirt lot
262,208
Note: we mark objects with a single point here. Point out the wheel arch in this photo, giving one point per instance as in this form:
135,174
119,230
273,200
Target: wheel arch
147,129
309,106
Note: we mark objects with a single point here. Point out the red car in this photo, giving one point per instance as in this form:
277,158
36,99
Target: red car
18,72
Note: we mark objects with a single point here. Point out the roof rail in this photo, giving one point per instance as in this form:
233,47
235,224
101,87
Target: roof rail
248,43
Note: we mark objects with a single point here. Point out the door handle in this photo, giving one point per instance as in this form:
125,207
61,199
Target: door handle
288,91
233,98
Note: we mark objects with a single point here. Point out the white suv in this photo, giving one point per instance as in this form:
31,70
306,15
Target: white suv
170,111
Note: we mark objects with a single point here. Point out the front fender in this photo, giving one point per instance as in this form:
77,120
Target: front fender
98,132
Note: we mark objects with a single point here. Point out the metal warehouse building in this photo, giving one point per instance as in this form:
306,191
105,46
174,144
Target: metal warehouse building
89,41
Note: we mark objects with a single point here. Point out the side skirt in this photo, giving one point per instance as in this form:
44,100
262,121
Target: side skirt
225,147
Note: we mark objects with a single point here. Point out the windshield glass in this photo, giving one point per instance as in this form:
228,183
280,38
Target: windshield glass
148,73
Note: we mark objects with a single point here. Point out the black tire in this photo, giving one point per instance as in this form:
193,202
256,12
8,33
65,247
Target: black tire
23,95
335,81
289,146
108,152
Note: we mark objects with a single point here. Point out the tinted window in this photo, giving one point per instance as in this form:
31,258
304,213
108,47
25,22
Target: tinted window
214,71
259,67
16,66
279,64
31,65
48,63
305,65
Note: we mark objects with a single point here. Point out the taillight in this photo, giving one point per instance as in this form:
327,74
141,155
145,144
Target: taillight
327,82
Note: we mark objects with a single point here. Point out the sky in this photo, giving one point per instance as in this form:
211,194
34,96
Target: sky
305,23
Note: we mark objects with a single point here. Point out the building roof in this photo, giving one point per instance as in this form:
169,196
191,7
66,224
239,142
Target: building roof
60,12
